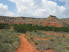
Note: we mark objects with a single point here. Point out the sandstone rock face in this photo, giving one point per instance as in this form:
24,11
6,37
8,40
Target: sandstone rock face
52,21
66,20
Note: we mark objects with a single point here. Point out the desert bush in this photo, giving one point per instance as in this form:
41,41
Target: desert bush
23,28
41,35
29,27
36,42
9,41
4,26
59,44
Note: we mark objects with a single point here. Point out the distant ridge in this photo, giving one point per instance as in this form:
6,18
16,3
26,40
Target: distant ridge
50,21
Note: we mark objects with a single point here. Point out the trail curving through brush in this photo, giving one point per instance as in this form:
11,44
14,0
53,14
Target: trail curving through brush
25,46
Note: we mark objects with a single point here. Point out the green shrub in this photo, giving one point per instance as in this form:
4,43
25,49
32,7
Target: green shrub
9,41
23,28
28,27
36,42
59,44
4,26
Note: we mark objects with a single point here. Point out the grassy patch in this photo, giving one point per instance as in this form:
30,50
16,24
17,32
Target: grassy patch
9,41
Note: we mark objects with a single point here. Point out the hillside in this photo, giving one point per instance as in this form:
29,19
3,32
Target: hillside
65,20
34,38
53,21
49,40
49,21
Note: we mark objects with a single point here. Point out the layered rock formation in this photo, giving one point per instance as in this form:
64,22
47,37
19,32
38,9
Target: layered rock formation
53,21
50,21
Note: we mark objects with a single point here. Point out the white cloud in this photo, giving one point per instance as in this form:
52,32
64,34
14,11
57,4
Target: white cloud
66,12
4,10
44,9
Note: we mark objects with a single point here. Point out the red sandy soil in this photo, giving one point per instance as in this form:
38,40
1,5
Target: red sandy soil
25,46
53,33
11,27
43,38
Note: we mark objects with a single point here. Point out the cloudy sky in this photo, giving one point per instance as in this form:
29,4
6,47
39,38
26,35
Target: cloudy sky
34,8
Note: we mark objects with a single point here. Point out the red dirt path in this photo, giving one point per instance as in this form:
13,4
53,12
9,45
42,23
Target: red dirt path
25,46
43,38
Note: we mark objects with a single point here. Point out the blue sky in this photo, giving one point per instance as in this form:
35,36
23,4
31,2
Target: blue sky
11,5
34,8
59,2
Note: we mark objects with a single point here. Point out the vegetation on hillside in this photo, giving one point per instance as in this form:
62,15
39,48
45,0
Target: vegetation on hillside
57,43
9,41
29,27
4,26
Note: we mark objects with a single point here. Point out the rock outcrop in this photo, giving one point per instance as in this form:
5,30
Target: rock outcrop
50,21
53,21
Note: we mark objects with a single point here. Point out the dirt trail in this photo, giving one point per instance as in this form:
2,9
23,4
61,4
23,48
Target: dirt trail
25,46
